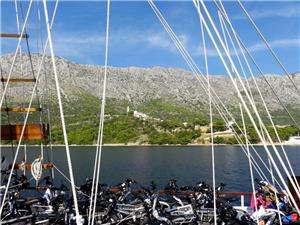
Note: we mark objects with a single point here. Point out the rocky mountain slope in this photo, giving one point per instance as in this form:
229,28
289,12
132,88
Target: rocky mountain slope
140,85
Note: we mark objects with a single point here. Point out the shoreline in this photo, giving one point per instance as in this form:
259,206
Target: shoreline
145,145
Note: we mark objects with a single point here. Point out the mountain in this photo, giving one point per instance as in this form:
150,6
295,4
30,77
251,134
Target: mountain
139,85
156,91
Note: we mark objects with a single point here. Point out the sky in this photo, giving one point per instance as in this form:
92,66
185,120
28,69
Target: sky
136,37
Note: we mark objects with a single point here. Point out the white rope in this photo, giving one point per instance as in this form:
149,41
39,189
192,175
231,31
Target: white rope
18,27
234,82
17,16
171,36
276,198
241,97
26,117
253,161
196,72
268,113
38,31
25,158
249,89
188,59
223,25
78,216
101,124
239,141
284,152
46,83
269,47
65,176
194,68
37,169
252,75
256,167
250,164
16,52
243,47
39,22
42,150
246,106
20,49
180,47
4,92
211,120
62,173
244,126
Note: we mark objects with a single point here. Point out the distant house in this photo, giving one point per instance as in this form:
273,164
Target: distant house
140,115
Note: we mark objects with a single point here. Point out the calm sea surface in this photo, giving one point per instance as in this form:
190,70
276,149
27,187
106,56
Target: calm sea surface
144,164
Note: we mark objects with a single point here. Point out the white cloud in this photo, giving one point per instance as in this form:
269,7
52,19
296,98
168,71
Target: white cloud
79,45
259,13
158,40
275,44
210,52
130,38
82,45
257,47
163,41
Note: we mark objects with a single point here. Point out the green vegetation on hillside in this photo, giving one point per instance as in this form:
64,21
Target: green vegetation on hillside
166,124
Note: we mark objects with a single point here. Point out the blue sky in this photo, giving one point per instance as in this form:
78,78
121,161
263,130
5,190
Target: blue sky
138,39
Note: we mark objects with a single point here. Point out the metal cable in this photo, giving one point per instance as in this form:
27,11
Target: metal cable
268,46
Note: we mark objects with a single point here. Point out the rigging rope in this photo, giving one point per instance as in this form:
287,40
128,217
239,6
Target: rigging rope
39,36
196,72
269,47
239,41
235,51
266,108
27,112
101,122
25,157
5,98
22,71
234,83
211,119
16,52
78,216
250,164
8,116
64,175
241,97
1,102
33,75
181,48
48,104
284,152
195,69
